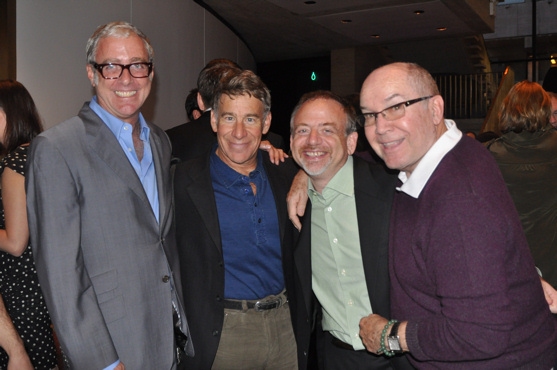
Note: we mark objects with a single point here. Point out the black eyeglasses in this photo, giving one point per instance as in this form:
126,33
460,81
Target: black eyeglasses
390,113
113,71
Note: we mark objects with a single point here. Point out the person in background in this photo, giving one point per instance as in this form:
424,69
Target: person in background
464,289
100,211
526,154
192,108
341,256
234,239
26,336
553,117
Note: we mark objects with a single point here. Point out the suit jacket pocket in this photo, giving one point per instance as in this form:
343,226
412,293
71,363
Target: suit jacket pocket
109,297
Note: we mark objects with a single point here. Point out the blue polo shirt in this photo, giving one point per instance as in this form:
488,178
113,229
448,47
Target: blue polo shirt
249,231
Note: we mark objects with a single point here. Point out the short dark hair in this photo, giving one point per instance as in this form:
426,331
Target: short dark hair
351,122
23,122
245,83
211,77
191,103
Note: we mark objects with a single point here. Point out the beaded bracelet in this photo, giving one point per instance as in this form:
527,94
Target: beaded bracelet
383,349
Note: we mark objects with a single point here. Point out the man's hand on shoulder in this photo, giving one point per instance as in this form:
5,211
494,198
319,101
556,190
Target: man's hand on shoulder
276,155
297,198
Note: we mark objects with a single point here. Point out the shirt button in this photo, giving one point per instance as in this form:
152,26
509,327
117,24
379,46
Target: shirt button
215,333
329,209
335,240
343,272
350,302
165,279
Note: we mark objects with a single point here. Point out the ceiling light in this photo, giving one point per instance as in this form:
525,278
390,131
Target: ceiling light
344,21
441,28
418,12
375,36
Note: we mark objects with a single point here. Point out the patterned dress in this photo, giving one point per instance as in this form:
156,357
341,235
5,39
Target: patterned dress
21,291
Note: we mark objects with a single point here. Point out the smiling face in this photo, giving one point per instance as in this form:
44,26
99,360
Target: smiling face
122,97
239,123
318,141
403,142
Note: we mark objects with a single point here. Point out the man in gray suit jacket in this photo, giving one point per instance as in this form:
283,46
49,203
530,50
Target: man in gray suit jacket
99,206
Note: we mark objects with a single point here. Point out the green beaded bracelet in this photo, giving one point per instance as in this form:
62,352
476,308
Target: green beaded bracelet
383,349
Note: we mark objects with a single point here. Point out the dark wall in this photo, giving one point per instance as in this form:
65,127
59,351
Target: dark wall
288,81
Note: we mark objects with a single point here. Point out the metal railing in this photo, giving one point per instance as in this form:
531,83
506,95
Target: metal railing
468,96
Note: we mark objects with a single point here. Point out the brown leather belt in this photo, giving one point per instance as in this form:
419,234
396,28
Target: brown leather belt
267,303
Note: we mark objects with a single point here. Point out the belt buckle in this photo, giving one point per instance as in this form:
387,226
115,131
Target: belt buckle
267,305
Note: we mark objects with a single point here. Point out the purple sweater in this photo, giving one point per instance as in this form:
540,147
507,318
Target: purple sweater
462,274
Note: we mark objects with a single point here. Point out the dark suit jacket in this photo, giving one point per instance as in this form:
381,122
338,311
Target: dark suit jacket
200,249
374,189
195,138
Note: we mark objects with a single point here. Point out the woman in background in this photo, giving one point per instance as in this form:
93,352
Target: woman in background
526,154
19,286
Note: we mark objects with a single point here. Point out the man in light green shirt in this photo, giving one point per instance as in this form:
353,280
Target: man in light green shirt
342,252
338,278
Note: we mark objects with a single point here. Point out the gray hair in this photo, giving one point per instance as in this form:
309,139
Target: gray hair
115,29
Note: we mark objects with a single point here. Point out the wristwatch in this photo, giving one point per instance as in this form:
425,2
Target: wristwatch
393,339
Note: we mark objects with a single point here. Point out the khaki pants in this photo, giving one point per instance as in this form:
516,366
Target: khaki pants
253,339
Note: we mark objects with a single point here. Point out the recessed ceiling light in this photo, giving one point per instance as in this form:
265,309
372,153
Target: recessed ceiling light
418,12
346,21
441,28
375,36
309,2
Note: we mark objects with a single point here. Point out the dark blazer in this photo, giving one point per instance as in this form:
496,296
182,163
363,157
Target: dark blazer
195,138
200,249
192,139
374,189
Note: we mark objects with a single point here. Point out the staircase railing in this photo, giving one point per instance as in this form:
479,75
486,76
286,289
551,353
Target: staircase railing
468,96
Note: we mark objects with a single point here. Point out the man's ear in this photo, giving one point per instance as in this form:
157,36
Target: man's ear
214,123
437,109
351,142
267,123
90,74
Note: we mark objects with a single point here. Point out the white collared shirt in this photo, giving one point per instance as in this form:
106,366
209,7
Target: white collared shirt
414,184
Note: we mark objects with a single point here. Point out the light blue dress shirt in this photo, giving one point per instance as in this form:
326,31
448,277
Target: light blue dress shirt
145,169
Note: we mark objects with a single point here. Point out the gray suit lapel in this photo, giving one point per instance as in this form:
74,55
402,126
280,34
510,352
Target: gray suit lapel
106,146
164,186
